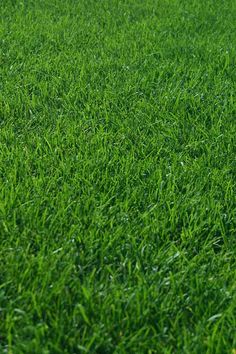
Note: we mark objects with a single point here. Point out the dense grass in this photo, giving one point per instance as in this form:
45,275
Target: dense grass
117,176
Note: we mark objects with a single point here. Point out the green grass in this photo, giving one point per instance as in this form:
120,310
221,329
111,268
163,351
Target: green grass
117,176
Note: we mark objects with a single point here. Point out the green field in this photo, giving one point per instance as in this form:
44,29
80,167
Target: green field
117,176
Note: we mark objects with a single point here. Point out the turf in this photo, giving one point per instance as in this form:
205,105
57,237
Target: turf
117,176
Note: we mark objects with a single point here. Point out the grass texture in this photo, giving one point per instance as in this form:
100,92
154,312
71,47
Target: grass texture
117,176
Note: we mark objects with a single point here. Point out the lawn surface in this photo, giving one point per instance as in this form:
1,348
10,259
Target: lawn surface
117,176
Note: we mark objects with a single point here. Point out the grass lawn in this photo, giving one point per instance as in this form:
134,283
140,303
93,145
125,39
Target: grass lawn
117,176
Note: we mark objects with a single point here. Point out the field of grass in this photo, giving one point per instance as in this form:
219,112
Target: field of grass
117,176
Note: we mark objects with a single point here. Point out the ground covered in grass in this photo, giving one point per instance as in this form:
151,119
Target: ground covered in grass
117,176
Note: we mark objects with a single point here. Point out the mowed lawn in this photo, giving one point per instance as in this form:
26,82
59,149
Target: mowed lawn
117,176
